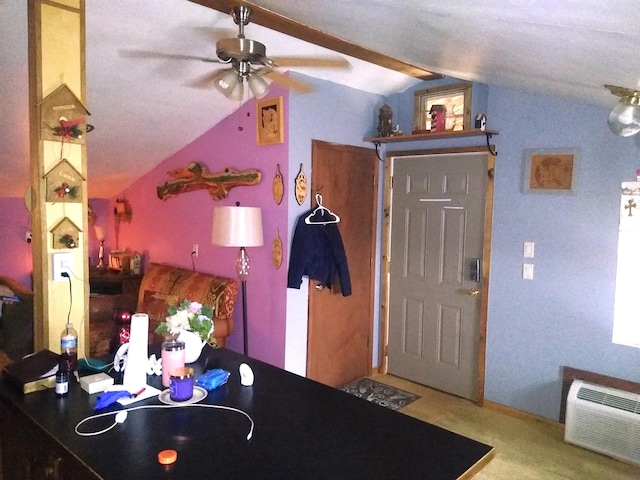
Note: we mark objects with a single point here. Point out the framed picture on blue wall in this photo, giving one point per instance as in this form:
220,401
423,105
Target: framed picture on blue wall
550,171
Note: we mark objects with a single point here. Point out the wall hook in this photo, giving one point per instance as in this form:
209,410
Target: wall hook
493,152
377,144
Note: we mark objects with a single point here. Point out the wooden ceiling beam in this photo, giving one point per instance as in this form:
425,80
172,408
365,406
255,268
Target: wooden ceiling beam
279,23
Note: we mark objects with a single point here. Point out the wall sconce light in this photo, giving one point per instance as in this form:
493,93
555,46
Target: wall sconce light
122,210
624,119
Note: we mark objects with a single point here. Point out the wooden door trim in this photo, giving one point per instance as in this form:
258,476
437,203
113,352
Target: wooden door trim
486,250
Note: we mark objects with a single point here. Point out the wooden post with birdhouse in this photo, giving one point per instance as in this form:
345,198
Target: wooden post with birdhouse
64,183
66,234
63,117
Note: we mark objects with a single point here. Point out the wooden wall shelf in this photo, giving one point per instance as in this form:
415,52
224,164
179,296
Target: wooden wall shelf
472,132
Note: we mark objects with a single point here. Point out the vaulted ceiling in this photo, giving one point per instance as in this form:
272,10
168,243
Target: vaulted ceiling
144,112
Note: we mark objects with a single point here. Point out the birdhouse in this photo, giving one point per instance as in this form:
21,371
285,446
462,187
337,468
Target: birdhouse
64,183
481,121
63,117
438,118
65,234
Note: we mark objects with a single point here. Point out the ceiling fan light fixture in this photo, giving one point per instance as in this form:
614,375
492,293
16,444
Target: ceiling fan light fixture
258,85
226,81
237,92
624,119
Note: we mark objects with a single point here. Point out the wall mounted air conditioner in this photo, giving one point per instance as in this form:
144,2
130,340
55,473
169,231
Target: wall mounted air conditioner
603,419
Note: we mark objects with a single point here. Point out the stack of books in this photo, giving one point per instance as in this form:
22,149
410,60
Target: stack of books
33,372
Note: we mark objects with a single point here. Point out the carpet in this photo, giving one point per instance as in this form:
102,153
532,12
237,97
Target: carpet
379,393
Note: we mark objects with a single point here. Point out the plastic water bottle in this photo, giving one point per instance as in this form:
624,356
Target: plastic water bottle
69,349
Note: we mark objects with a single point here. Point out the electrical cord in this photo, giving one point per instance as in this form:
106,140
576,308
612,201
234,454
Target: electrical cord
119,418
80,347
66,274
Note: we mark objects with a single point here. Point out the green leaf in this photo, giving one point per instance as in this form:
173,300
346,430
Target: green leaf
162,329
207,311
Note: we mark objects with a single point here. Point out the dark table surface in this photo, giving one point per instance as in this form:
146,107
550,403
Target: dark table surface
303,430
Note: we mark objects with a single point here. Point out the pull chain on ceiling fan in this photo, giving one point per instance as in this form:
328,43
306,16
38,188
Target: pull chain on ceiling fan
249,62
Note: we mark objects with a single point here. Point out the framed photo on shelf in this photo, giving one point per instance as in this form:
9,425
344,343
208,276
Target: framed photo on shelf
269,121
551,171
453,100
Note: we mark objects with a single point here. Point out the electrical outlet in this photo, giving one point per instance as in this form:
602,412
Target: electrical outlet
28,237
61,262
194,250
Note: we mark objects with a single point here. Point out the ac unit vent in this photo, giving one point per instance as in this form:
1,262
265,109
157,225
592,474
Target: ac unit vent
614,401
603,419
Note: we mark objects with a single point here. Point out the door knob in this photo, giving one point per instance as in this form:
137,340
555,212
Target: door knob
474,292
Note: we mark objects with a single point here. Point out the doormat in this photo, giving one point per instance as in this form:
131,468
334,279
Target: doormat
379,393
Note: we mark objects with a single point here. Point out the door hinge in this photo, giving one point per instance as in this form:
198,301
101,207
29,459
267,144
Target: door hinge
375,181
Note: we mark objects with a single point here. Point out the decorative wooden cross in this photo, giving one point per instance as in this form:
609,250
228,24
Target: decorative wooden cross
629,206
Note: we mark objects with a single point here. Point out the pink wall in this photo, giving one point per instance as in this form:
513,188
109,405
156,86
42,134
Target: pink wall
165,230
15,253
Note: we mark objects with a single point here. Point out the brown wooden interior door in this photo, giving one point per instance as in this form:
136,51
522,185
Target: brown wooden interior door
340,328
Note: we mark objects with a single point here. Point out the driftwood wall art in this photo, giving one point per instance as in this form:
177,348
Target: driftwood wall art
196,176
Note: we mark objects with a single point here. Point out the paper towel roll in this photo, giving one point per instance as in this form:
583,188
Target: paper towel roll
135,375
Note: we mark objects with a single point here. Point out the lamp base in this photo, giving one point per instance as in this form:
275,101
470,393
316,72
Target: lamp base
245,332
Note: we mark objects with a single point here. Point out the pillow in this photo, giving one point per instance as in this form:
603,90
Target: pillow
155,305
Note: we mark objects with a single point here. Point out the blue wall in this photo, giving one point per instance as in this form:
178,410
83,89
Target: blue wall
331,113
564,315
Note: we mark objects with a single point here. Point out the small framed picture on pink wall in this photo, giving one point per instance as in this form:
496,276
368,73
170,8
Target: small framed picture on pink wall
269,121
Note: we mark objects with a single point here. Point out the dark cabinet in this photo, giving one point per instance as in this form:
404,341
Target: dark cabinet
28,454
108,292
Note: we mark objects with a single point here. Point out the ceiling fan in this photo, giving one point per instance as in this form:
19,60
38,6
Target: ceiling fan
249,62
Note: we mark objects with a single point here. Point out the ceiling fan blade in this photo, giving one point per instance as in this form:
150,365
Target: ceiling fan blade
204,81
318,62
167,56
288,82
213,34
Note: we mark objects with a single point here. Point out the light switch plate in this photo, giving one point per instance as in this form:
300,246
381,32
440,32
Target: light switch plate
528,249
527,271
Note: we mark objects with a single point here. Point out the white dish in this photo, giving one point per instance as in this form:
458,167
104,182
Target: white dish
199,393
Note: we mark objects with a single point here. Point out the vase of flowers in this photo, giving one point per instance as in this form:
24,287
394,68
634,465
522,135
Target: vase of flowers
191,323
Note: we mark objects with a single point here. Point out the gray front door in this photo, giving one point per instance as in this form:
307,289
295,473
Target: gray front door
437,239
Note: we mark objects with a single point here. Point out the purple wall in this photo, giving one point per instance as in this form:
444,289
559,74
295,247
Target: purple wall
15,254
165,230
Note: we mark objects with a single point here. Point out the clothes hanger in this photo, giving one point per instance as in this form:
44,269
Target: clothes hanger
322,211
